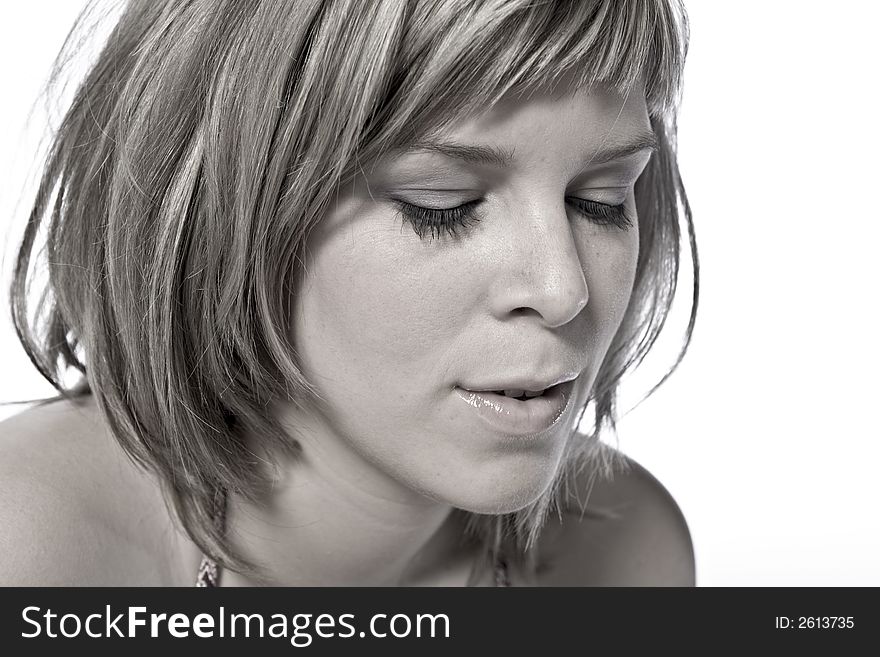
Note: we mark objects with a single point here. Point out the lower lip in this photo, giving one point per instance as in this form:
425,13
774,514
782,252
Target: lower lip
519,418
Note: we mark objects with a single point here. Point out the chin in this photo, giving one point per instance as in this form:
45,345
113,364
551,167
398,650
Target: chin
502,490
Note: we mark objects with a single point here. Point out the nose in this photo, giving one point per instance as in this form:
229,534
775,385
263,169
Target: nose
541,272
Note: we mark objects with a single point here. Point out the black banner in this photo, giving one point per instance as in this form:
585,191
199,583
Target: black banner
435,621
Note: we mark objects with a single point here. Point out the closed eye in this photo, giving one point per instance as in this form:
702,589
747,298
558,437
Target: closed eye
431,223
434,222
602,214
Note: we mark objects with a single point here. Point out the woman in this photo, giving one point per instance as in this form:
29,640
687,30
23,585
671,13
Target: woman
340,280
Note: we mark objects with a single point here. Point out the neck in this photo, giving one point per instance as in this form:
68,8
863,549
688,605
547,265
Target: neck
332,519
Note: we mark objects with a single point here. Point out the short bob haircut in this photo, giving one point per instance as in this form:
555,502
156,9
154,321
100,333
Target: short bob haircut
210,136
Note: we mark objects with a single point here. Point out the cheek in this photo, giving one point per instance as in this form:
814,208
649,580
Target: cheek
610,260
610,263
371,313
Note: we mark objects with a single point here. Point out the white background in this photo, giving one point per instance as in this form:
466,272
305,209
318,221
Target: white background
767,434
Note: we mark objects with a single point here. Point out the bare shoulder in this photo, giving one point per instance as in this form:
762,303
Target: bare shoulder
73,509
632,533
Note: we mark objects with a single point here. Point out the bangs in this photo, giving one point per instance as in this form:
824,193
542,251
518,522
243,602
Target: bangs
457,57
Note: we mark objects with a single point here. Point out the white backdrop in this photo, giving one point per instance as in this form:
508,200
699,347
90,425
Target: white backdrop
766,435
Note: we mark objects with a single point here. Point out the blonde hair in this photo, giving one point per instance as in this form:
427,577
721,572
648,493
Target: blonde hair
206,141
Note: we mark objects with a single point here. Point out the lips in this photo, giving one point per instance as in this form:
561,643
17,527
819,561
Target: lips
532,385
522,395
519,416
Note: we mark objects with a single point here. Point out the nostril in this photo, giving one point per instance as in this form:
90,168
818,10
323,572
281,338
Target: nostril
523,311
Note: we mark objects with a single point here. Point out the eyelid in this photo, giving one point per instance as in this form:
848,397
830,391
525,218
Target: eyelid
603,195
471,203
439,199
603,188
432,190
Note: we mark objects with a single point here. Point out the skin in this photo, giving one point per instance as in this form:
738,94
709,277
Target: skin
94,519
388,324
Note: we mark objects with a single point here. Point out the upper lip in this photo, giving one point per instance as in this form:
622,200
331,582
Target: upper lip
522,383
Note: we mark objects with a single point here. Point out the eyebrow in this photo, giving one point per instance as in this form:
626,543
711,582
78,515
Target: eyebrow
504,158
472,153
643,141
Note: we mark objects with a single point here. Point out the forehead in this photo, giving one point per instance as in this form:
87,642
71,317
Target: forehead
597,107
553,119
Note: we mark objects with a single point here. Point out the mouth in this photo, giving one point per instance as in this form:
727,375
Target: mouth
519,395
520,412
523,387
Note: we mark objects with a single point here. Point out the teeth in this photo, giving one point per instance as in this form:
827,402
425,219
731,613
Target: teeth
513,393
534,393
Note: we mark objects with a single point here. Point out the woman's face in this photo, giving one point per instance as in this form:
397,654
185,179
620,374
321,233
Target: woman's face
521,287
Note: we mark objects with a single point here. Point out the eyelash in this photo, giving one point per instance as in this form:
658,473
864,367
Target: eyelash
435,221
